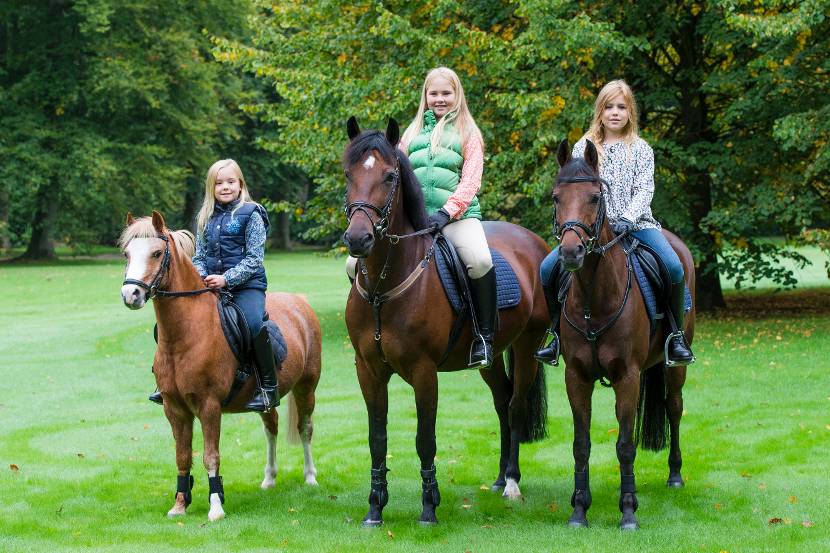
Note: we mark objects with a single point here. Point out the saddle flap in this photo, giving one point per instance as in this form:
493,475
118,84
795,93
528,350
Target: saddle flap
234,328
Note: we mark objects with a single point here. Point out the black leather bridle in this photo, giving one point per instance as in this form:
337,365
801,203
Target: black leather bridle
590,238
380,227
153,288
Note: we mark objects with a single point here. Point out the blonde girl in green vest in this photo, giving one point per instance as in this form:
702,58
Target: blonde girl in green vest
446,151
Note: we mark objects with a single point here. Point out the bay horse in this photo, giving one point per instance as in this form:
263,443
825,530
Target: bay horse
194,366
404,329
606,337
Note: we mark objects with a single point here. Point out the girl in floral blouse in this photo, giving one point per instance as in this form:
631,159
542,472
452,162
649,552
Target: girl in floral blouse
627,166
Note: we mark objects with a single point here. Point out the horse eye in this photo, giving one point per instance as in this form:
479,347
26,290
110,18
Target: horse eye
348,175
390,177
556,199
157,254
595,199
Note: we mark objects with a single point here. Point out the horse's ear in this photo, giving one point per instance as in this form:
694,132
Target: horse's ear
591,155
563,153
352,127
158,222
130,219
393,132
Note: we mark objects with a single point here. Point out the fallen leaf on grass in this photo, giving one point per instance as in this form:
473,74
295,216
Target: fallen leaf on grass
14,468
348,520
553,507
180,523
333,497
718,506
775,520
60,509
466,506
807,523
292,510
80,455
295,522
793,499
612,431
762,486
390,535
745,474
485,488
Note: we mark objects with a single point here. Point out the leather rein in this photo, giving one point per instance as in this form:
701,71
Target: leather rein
374,298
590,241
153,288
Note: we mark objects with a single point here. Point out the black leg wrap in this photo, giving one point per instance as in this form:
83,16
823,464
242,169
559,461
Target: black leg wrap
215,484
183,485
429,487
627,486
379,494
581,489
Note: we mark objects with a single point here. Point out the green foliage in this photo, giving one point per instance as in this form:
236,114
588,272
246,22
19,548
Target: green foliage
726,88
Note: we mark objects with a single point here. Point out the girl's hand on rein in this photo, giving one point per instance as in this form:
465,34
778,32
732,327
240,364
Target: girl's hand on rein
215,281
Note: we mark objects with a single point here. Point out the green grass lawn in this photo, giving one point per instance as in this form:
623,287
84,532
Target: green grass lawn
86,463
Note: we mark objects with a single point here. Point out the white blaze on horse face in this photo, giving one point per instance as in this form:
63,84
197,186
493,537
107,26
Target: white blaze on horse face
369,162
139,250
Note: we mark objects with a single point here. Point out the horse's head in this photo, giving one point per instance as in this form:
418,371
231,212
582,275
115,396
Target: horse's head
373,173
146,245
578,204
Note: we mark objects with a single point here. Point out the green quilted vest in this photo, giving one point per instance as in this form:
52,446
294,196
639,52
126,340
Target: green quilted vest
439,172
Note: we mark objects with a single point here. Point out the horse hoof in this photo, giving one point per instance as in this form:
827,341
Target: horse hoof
173,513
428,522
311,480
267,484
629,522
675,482
213,516
498,485
372,523
578,524
511,490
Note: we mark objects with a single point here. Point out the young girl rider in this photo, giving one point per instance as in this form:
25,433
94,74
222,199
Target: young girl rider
627,166
230,247
446,150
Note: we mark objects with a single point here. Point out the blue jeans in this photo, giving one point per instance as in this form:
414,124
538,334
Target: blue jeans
650,236
252,303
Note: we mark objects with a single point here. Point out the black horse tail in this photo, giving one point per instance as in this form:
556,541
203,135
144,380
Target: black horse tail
535,427
652,423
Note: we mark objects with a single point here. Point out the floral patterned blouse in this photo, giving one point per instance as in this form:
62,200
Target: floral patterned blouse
629,172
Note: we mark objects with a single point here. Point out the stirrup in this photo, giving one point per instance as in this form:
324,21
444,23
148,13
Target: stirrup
483,364
670,363
550,333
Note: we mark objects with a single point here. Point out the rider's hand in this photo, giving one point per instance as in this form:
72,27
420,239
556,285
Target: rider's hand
439,219
215,281
623,226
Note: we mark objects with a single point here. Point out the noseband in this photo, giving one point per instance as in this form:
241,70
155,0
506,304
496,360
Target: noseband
382,225
153,288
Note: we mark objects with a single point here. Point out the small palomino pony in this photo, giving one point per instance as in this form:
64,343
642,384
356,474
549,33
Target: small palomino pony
194,365
606,336
402,328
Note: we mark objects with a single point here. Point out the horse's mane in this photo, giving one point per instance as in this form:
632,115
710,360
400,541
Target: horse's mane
576,167
413,198
143,228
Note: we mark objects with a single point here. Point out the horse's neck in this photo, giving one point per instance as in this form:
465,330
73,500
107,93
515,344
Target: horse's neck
176,317
399,260
602,278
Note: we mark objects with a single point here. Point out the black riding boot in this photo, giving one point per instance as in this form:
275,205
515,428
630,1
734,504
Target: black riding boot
486,307
678,351
155,397
266,397
550,353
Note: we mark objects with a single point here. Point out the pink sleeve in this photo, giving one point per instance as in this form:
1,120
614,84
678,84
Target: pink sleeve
470,182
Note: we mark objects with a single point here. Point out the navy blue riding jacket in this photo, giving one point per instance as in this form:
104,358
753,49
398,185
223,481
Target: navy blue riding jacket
225,241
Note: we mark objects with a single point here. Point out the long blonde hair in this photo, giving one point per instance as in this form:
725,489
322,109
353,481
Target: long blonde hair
631,132
210,184
459,115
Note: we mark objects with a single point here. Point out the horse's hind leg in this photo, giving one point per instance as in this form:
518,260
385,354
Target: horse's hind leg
181,423
303,404
270,424
675,378
502,390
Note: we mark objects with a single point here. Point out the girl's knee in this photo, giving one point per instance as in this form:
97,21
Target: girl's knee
479,265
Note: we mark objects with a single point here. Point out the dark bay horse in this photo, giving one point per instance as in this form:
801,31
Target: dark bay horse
606,336
194,366
404,329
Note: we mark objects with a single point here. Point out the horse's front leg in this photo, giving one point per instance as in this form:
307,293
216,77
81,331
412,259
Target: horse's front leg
580,391
675,378
181,423
210,416
627,392
425,383
376,395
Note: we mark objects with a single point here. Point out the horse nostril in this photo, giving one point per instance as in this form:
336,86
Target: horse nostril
580,248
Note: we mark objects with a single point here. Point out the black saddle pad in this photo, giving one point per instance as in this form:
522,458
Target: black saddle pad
508,291
239,337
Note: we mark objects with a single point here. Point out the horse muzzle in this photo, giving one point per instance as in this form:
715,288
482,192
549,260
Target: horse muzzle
572,258
359,242
134,296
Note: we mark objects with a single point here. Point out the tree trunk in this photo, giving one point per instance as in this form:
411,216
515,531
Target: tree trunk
281,238
41,245
5,239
